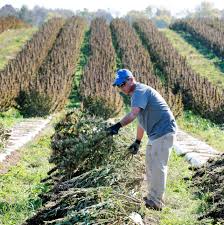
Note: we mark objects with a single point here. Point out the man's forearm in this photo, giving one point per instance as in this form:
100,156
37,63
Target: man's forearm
140,133
128,119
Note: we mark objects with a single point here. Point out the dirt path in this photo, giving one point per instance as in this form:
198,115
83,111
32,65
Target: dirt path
195,151
21,134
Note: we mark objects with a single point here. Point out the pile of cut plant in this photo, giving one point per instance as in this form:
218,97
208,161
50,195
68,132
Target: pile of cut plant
94,180
209,181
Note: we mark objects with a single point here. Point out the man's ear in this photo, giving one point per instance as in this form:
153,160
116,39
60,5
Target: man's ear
130,79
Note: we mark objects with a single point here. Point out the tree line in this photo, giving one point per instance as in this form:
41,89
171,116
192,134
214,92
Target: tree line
160,16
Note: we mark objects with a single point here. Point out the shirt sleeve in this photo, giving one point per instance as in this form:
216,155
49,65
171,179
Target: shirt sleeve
139,99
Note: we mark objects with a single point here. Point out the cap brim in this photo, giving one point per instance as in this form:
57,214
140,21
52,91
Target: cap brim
117,83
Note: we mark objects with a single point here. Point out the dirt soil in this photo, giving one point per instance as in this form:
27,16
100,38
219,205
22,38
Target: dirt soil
209,181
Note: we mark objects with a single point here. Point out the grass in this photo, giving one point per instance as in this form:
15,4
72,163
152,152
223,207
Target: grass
10,117
198,57
20,186
74,99
182,207
203,129
7,120
11,42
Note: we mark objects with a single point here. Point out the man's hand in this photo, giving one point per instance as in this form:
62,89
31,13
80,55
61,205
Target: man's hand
133,149
113,130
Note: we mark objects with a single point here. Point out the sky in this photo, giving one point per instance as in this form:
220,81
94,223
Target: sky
175,6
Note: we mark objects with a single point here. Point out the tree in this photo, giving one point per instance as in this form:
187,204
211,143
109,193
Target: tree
161,12
8,10
25,14
162,18
39,15
132,15
222,14
85,13
103,13
149,12
206,10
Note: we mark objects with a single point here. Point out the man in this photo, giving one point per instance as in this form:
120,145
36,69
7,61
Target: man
154,117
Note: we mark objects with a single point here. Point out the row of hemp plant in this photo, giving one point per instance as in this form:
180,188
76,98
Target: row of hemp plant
96,84
53,81
215,23
207,32
15,78
136,58
198,93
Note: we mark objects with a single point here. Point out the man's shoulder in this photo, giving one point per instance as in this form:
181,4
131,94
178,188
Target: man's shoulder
141,91
140,96
143,88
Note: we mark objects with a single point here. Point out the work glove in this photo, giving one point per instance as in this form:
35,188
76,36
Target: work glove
113,130
133,149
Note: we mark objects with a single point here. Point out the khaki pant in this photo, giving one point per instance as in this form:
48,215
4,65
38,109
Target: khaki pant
157,155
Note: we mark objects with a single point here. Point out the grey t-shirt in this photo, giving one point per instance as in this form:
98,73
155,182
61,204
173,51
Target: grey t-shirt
155,116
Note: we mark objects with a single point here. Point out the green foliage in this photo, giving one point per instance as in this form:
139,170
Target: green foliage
132,15
25,14
20,186
206,10
10,117
101,194
85,141
74,98
33,103
94,181
99,106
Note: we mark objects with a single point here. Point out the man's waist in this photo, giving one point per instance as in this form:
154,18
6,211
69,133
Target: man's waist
152,139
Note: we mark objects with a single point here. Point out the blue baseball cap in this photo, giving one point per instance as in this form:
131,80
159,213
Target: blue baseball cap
122,75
